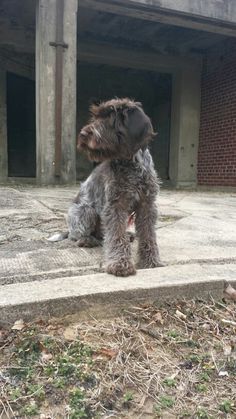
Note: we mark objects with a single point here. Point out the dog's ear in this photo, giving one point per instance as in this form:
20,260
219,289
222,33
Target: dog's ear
138,124
101,110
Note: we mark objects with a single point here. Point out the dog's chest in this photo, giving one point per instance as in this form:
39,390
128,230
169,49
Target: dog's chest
133,181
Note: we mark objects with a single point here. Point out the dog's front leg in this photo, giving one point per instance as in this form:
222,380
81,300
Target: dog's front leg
116,241
148,252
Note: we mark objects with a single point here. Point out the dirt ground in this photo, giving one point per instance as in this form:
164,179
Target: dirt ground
177,360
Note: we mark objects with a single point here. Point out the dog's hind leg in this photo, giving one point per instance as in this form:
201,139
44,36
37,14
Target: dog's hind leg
82,220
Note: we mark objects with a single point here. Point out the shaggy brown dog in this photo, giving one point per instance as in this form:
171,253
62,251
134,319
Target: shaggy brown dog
125,182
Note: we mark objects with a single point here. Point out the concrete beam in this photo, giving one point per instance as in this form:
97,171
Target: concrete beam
185,121
216,17
107,54
3,127
45,93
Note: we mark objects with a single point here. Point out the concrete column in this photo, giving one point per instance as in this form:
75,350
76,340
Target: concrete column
185,121
3,127
45,92
68,164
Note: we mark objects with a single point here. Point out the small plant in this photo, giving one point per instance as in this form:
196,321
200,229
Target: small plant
157,411
128,397
226,406
65,367
185,414
36,389
202,413
77,405
166,401
205,377
201,388
30,409
192,344
194,358
15,393
172,334
59,383
169,382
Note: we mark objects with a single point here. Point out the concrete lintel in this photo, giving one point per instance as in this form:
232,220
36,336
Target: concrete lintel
45,92
3,127
106,54
102,295
210,16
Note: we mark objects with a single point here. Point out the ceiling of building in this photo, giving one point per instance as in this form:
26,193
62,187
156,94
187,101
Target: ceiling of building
95,26
17,31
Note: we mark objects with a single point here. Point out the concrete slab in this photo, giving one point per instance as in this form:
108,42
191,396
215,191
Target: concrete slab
194,229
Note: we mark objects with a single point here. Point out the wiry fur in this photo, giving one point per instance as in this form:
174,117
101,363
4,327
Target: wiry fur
125,181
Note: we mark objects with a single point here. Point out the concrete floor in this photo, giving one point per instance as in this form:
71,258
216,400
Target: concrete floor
195,230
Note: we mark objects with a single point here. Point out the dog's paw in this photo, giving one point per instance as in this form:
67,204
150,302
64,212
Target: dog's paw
124,268
88,242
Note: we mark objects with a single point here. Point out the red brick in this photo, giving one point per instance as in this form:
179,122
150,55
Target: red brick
217,139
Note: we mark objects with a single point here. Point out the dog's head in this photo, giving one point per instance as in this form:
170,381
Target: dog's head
117,130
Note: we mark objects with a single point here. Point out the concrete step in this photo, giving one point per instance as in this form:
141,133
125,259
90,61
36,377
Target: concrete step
104,295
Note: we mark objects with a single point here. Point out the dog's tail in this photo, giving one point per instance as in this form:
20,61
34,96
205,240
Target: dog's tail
58,237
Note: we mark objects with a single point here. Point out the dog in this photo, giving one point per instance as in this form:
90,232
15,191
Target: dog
123,184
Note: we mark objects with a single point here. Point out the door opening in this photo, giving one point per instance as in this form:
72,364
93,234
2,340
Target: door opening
21,131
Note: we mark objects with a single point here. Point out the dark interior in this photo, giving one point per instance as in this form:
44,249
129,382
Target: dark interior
21,132
101,82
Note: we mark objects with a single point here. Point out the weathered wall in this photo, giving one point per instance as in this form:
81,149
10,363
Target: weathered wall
224,10
102,82
217,143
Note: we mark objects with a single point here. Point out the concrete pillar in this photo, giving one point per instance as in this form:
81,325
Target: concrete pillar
3,127
185,121
45,92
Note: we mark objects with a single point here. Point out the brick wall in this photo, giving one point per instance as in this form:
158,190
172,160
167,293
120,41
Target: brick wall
217,142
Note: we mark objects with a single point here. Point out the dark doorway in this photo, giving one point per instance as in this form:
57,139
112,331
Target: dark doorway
153,89
21,132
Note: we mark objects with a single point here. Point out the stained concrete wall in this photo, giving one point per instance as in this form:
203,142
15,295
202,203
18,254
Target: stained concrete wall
224,10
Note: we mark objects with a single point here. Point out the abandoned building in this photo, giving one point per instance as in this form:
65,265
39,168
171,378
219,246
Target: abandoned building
177,57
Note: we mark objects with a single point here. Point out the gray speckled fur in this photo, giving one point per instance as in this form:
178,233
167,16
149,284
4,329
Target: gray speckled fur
106,199
125,182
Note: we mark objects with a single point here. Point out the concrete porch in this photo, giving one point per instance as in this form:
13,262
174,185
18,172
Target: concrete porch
196,234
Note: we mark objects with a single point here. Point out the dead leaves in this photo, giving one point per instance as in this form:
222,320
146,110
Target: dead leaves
46,356
158,318
180,315
229,292
18,325
227,349
106,353
70,333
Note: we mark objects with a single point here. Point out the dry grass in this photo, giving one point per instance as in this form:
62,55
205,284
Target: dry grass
174,361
